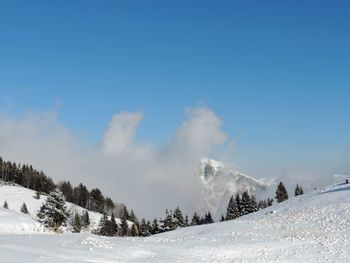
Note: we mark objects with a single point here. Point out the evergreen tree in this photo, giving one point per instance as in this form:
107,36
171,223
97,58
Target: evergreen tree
144,231
109,205
269,201
24,208
81,195
112,227
232,209
178,218
167,224
298,190
67,190
77,223
124,228
246,203
187,223
281,193
208,218
5,205
97,201
155,227
102,225
85,219
195,219
53,212
239,204
133,231
254,204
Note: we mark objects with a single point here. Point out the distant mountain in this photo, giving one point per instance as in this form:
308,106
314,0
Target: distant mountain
220,182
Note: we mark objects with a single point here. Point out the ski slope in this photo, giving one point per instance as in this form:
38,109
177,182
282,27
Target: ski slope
314,227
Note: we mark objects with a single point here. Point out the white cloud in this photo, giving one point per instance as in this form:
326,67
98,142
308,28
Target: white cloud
147,178
119,136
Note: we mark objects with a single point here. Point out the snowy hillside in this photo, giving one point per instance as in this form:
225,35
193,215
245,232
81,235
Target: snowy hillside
220,182
16,195
313,227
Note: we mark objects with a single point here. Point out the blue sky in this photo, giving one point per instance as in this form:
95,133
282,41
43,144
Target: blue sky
276,72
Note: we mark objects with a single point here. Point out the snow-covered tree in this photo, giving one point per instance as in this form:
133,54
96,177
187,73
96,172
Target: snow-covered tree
281,193
53,213
24,208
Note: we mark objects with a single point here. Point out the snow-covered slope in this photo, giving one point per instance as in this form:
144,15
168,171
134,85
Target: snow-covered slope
314,227
220,182
15,195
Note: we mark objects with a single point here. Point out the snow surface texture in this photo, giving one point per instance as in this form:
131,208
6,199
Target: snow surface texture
314,227
220,182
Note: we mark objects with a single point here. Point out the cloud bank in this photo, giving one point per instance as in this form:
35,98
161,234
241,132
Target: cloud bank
145,177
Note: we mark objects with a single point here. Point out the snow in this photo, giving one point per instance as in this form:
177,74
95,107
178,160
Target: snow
15,195
310,228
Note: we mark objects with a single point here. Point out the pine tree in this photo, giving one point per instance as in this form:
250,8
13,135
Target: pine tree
232,209
246,203
24,208
144,231
239,204
208,218
298,190
6,206
77,223
155,227
168,224
254,204
269,201
124,228
178,218
187,223
114,226
281,193
195,219
102,225
53,212
133,231
85,219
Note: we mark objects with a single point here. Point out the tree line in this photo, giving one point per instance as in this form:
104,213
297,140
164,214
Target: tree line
54,214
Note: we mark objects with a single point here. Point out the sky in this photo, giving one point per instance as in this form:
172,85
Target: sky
261,85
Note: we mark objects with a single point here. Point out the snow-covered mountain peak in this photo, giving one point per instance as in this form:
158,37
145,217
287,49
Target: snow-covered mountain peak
220,182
